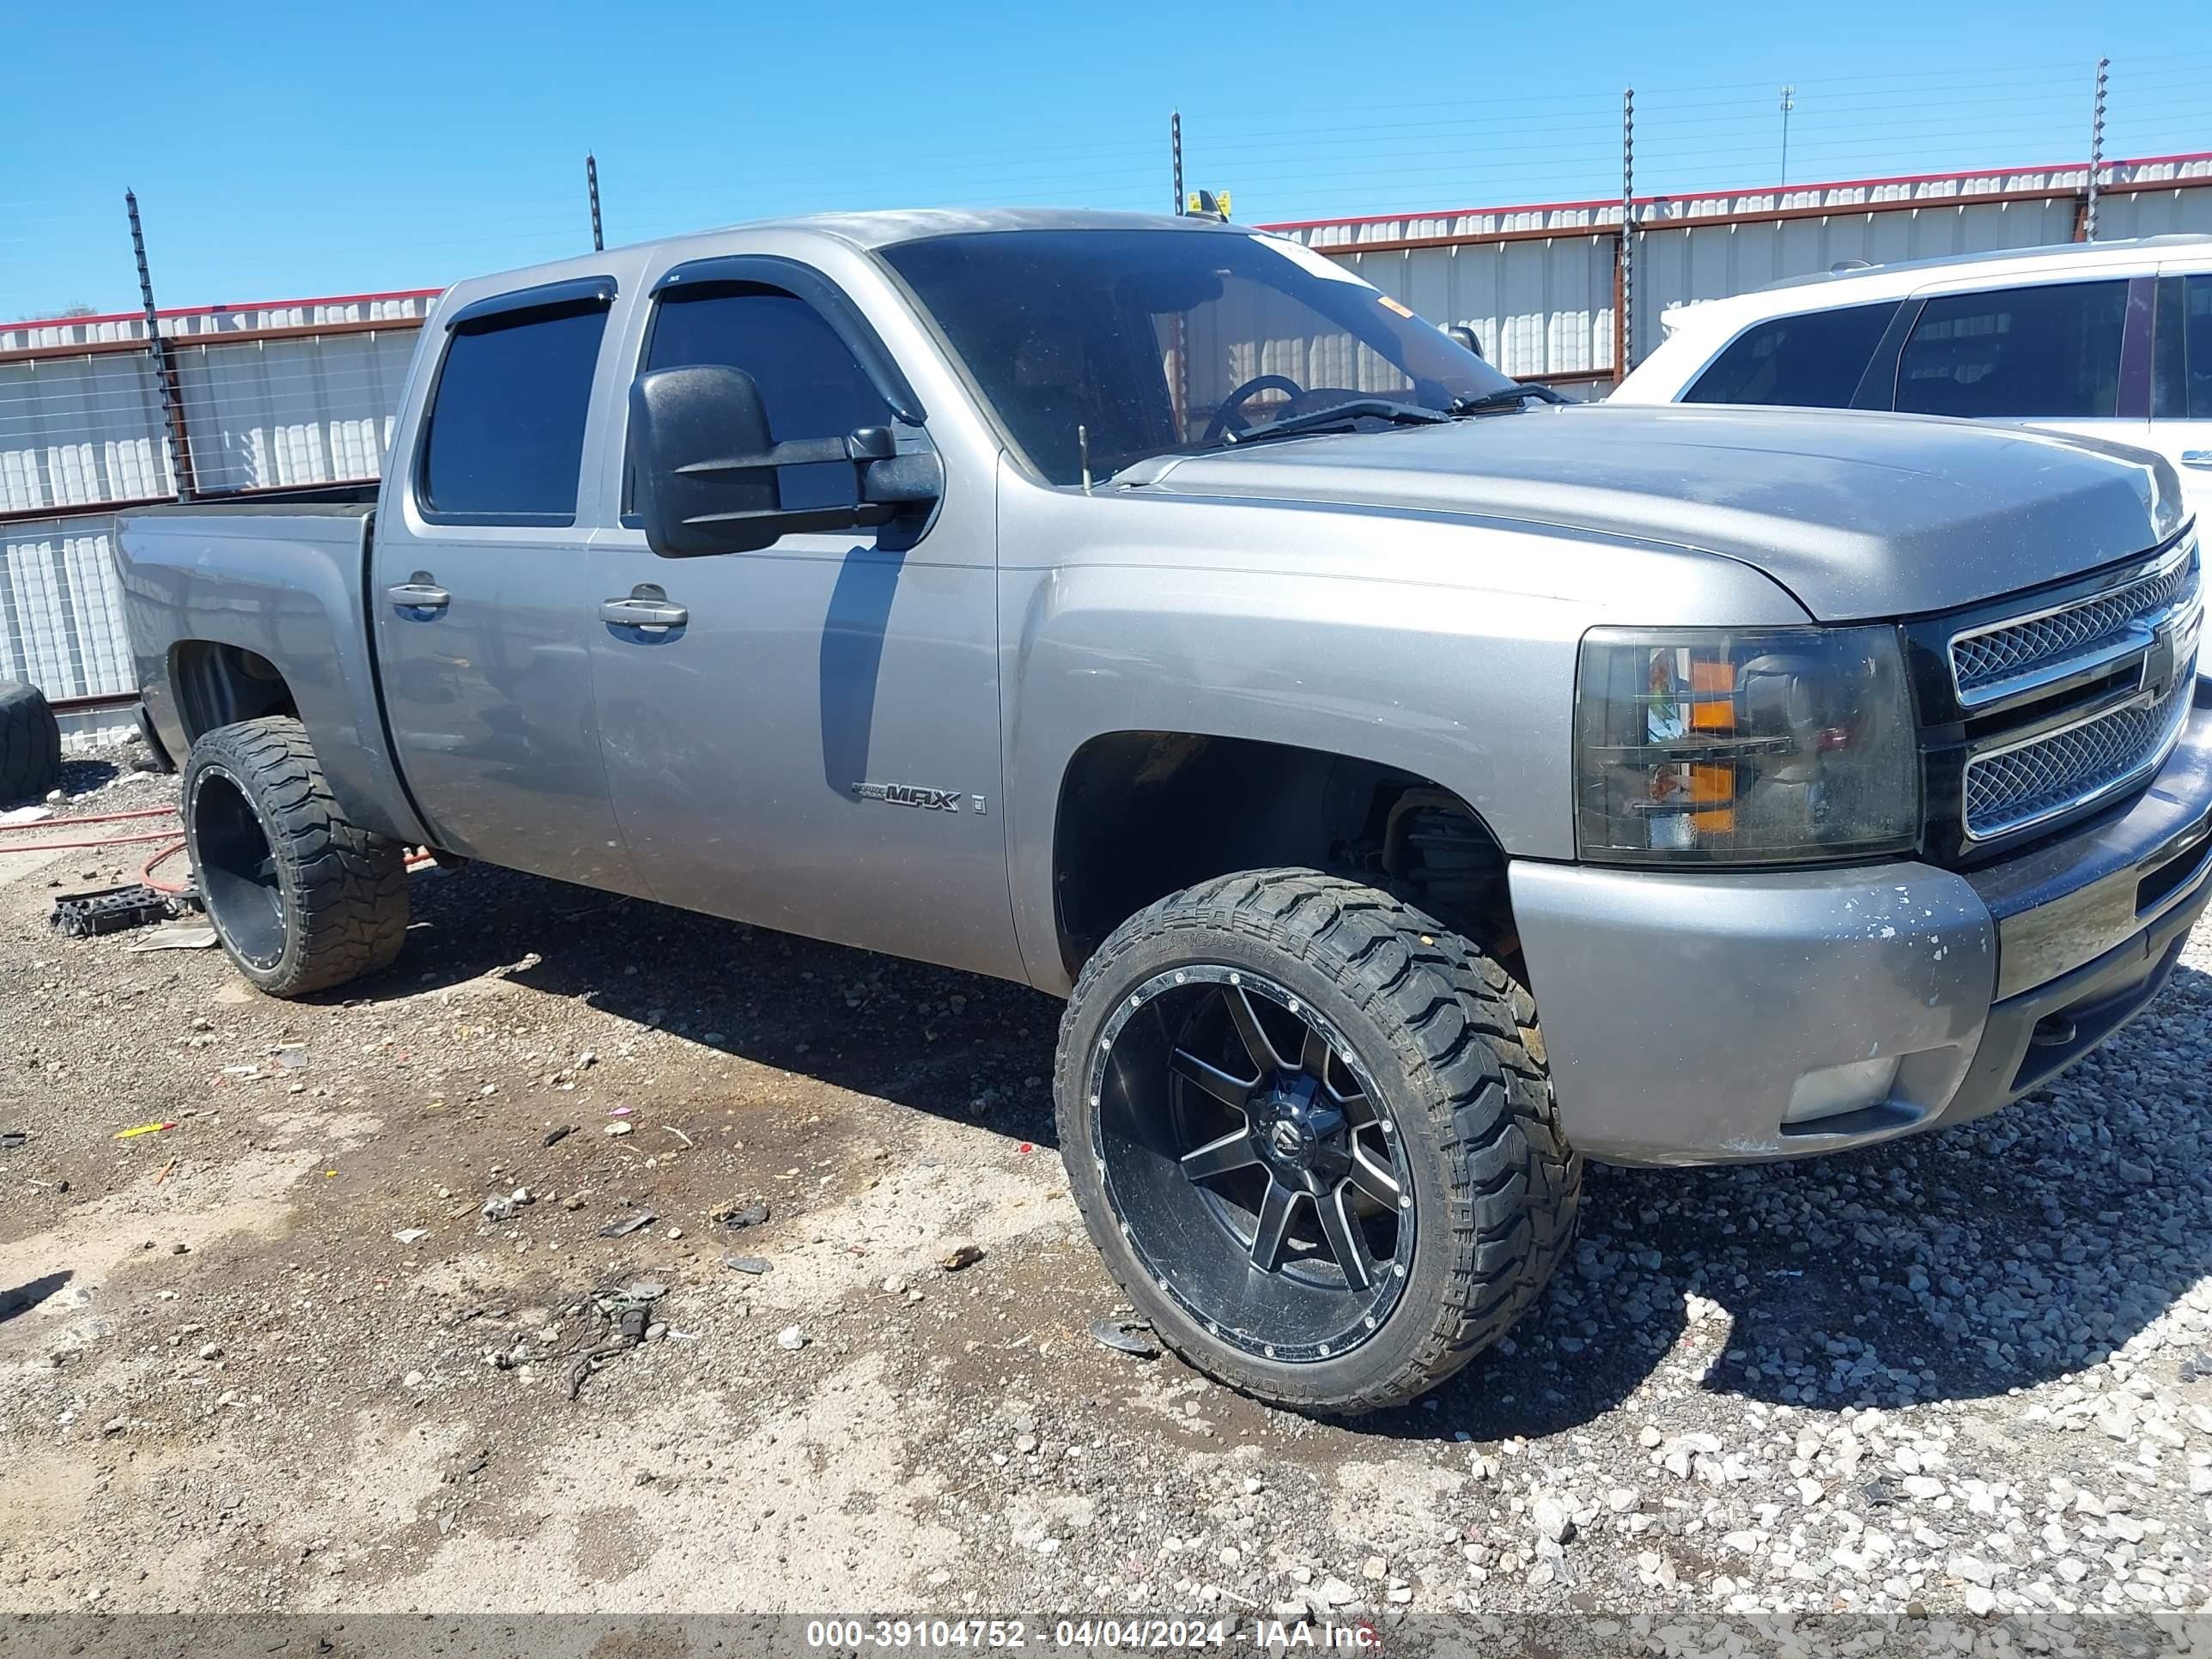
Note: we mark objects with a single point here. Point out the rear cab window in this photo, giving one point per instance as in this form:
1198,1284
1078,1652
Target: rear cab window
2049,352
503,440
1813,360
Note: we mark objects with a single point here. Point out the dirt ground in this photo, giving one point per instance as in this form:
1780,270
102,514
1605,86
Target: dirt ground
279,1357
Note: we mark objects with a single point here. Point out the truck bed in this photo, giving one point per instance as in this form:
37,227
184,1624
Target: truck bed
239,609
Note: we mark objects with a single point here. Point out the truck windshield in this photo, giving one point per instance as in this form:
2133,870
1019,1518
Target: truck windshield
1120,344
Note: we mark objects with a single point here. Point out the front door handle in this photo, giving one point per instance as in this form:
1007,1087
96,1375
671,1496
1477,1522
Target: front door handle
655,616
2196,458
419,592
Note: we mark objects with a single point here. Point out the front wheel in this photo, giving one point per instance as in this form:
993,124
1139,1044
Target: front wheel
1311,1132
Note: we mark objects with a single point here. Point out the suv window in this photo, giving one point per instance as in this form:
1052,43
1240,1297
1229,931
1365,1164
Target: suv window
2196,347
1813,360
2049,351
810,384
506,437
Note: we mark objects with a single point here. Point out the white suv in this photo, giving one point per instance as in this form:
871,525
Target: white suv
2109,339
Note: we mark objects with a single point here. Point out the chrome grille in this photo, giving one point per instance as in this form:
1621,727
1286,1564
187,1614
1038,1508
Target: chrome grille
2068,768
2019,653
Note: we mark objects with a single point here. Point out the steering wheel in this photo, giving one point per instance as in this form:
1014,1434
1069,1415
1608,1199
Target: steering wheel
1232,405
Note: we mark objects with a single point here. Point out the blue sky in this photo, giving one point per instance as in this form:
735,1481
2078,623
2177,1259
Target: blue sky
293,151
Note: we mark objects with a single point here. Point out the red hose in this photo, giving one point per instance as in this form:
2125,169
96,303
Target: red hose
65,846
147,879
97,818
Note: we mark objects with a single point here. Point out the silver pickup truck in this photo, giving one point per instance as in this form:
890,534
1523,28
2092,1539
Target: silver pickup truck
1156,613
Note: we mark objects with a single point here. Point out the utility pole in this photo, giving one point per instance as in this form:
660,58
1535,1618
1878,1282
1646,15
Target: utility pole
164,371
1174,143
1624,320
592,185
2096,153
1788,103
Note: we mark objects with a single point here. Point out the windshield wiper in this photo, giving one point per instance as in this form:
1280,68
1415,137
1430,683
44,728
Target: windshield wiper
1507,397
1343,414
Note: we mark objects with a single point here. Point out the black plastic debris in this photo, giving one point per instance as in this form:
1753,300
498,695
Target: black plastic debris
628,1224
553,1137
740,1217
110,910
746,1264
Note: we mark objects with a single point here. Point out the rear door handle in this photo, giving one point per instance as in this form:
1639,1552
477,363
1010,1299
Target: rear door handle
419,594
2196,458
656,616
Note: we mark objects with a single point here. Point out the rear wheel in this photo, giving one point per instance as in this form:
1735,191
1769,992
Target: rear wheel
1310,1130
30,745
300,899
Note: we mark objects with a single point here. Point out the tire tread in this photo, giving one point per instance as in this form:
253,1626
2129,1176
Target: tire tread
1486,1091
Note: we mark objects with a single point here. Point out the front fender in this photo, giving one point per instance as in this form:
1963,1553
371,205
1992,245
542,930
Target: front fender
1440,646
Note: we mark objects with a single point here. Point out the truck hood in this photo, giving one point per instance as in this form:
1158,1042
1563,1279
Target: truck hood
1858,515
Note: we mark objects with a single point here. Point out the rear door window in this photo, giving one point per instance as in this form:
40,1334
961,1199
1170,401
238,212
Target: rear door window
506,437
1813,360
810,384
2049,352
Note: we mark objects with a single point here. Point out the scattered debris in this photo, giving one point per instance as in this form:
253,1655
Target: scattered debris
499,1207
746,1264
745,1216
617,1128
292,1059
177,936
1131,1336
109,910
554,1137
162,1174
143,1129
677,1133
966,1255
629,1223
14,1137
791,1337
630,1312
409,1235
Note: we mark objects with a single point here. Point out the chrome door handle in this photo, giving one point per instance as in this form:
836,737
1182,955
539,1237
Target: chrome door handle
2196,458
656,614
420,594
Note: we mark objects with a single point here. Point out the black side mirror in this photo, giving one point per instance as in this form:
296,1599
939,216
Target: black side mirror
706,470
1465,336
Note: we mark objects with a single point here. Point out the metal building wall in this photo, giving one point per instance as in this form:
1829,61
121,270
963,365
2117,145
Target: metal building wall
1536,283
272,397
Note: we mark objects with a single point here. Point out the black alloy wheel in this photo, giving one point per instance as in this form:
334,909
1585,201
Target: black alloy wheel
1225,1104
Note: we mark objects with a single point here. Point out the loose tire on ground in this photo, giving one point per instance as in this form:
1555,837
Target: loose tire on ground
1391,1001
300,899
30,745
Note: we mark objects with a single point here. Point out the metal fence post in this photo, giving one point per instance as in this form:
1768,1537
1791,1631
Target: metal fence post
1174,143
592,185
165,370
1624,310
2096,153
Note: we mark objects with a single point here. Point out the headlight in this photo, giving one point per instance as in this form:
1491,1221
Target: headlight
1714,746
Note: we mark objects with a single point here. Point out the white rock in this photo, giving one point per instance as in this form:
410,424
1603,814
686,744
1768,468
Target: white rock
791,1337
1553,1520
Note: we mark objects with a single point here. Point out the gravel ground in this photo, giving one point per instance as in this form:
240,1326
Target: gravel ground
312,1349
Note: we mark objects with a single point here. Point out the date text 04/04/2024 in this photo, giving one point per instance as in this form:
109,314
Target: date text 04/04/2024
861,1635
